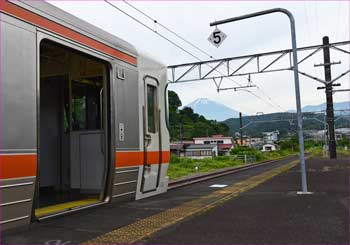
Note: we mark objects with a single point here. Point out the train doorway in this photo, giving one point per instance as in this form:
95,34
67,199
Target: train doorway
73,142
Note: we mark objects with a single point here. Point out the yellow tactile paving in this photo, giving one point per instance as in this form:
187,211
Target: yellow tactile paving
148,226
40,212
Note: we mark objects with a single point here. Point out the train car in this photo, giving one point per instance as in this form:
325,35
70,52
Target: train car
82,119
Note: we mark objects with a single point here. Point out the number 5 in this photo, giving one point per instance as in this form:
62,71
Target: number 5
217,38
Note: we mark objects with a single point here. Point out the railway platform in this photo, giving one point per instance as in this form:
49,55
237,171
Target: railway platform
273,213
257,205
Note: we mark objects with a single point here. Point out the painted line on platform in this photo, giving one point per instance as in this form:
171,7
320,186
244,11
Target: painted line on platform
146,227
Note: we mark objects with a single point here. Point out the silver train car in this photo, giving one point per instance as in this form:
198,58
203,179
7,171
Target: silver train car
82,116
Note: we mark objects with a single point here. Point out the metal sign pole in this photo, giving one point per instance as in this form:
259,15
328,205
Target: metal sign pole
296,81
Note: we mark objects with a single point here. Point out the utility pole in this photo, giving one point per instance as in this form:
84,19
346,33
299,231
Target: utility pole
181,133
181,139
241,127
329,97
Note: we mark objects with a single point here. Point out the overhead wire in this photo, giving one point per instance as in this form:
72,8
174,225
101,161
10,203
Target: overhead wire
317,29
149,28
168,29
338,21
175,44
196,47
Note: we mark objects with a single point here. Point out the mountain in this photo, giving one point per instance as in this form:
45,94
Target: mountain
184,124
321,107
284,122
212,110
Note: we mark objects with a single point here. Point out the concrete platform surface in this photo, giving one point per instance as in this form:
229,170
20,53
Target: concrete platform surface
90,223
272,213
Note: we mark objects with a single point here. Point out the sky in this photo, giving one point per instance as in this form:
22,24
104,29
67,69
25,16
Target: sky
190,19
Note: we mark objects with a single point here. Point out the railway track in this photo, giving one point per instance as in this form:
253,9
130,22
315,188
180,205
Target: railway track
202,177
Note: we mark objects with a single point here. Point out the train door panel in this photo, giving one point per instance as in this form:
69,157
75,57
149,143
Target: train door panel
152,153
87,136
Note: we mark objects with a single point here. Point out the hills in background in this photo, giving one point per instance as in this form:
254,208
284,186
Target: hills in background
321,107
285,122
213,110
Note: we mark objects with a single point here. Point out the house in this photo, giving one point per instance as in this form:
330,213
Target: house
255,142
200,151
215,139
270,137
268,147
312,134
224,143
243,142
321,135
178,148
224,149
342,132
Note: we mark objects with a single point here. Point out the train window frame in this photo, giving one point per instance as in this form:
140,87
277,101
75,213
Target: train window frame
151,118
150,81
87,101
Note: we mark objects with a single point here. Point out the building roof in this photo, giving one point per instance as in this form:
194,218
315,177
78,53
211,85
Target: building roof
225,146
201,146
270,133
343,130
182,142
216,137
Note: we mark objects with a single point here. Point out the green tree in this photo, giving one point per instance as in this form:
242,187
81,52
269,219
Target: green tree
189,124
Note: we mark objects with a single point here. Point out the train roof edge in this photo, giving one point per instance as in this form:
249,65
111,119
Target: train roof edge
54,13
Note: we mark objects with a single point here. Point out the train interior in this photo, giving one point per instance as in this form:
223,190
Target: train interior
72,128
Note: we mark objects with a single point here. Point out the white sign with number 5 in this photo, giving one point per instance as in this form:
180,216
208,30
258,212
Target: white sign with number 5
217,37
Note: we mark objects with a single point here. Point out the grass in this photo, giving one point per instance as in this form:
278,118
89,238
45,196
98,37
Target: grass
318,151
185,166
344,152
315,151
180,167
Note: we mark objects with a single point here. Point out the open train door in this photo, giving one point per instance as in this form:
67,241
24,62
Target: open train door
152,135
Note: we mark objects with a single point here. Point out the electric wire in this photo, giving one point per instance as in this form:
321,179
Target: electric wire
176,45
196,47
168,29
338,21
149,28
317,29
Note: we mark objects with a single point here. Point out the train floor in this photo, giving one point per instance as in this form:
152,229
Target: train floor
265,209
50,197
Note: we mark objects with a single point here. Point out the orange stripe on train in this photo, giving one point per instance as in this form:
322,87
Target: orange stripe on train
17,166
129,159
42,22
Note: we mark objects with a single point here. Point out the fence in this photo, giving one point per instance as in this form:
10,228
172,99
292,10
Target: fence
244,158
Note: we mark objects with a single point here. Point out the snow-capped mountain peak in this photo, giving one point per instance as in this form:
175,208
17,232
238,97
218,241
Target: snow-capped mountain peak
212,110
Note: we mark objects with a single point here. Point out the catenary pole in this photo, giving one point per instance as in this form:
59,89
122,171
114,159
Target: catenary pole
296,80
241,128
329,98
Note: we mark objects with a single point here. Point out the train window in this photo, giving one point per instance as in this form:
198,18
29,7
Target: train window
151,108
86,105
66,110
78,107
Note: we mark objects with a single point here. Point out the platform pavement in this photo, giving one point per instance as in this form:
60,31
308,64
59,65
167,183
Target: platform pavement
91,223
272,213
